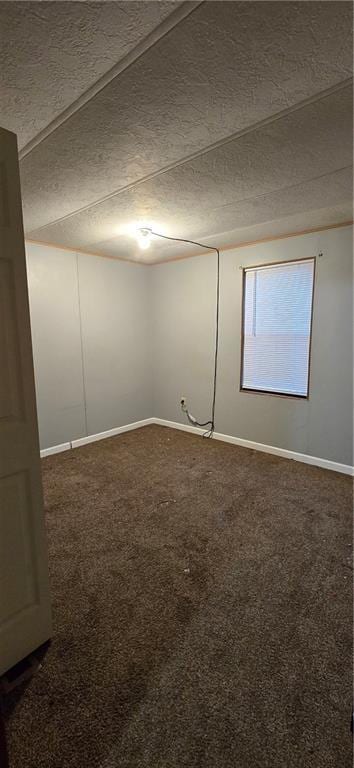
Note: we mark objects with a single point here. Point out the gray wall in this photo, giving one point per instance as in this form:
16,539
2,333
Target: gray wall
55,324
117,342
90,342
183,300
115,334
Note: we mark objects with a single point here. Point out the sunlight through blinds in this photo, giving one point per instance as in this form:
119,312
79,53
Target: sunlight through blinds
277,311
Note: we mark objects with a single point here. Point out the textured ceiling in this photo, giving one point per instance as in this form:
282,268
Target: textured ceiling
231,120
52,52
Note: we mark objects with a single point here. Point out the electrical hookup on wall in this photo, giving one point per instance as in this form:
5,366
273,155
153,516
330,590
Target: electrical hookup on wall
146,233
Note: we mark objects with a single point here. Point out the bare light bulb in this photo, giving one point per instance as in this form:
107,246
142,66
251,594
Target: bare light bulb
144,237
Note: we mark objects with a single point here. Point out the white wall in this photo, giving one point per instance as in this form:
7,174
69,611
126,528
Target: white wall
116,342
90,342
183,297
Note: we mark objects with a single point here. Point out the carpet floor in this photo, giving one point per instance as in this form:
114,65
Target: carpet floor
202,611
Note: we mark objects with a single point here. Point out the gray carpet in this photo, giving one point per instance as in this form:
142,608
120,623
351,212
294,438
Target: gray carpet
202,611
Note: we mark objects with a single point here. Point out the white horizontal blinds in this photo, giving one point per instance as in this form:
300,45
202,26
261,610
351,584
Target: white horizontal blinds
277,327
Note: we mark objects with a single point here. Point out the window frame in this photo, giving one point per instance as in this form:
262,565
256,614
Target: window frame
249,268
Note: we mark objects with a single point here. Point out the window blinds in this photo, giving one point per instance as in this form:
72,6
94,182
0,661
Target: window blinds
277,311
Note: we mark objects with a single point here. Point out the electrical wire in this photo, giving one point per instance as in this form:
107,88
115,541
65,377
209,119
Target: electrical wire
211,423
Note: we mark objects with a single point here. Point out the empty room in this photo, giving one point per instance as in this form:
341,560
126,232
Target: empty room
176,384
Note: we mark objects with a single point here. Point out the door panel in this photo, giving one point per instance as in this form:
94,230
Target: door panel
11,398
25,614
16,546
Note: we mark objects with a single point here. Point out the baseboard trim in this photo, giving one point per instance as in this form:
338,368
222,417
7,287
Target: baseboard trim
281,452
316,461
55,449
93,438
110,433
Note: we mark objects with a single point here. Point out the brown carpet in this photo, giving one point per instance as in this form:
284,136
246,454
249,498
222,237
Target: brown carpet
202,611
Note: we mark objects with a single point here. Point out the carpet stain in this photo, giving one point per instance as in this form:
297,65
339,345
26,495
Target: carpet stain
202,611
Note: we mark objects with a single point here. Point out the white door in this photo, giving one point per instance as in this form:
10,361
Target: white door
25,614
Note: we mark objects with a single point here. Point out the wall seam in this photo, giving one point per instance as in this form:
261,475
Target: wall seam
81,344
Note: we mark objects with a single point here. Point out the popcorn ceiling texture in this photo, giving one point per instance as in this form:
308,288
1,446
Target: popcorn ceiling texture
223,69
258,177
61,49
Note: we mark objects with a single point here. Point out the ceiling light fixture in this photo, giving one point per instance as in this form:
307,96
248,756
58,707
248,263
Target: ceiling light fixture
144,237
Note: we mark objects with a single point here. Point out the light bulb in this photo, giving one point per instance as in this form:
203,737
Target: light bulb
144,237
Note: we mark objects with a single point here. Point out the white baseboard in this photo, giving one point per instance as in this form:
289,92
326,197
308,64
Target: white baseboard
92,438
110,433
55,449
282,452
178,425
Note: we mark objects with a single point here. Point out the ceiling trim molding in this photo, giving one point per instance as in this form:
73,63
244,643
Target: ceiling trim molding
178,15
189,158
268,239
73,249
231,247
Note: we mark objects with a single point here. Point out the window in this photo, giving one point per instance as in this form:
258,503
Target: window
276,327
